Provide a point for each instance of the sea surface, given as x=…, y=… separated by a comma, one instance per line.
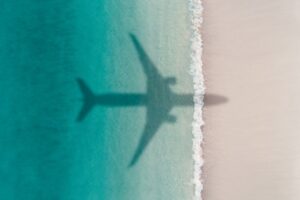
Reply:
x=45, y=152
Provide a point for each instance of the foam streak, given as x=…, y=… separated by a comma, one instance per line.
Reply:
x=196, y=9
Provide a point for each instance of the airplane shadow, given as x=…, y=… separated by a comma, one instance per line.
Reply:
x=159, y=100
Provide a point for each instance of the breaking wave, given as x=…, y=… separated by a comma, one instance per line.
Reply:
x=196, y=9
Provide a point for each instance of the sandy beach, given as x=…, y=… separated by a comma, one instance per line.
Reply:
x=251, y=142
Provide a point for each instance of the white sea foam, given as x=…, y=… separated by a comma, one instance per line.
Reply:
x=196, y=9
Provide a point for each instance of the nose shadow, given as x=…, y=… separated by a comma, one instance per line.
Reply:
x=214, y=99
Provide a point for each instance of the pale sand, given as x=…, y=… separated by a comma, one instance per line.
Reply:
x=252, y=57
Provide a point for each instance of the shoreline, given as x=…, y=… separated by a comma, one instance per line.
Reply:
x=196, y=9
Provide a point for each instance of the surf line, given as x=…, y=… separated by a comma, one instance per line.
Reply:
x=196, y=10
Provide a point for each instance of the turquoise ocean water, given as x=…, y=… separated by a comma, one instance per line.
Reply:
x=45, y=153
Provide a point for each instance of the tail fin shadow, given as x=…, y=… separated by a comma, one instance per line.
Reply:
x=88, y=99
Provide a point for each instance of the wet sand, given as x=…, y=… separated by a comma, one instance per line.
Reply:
x=251, y=142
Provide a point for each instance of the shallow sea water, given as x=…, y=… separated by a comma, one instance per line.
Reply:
x=45, y=153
